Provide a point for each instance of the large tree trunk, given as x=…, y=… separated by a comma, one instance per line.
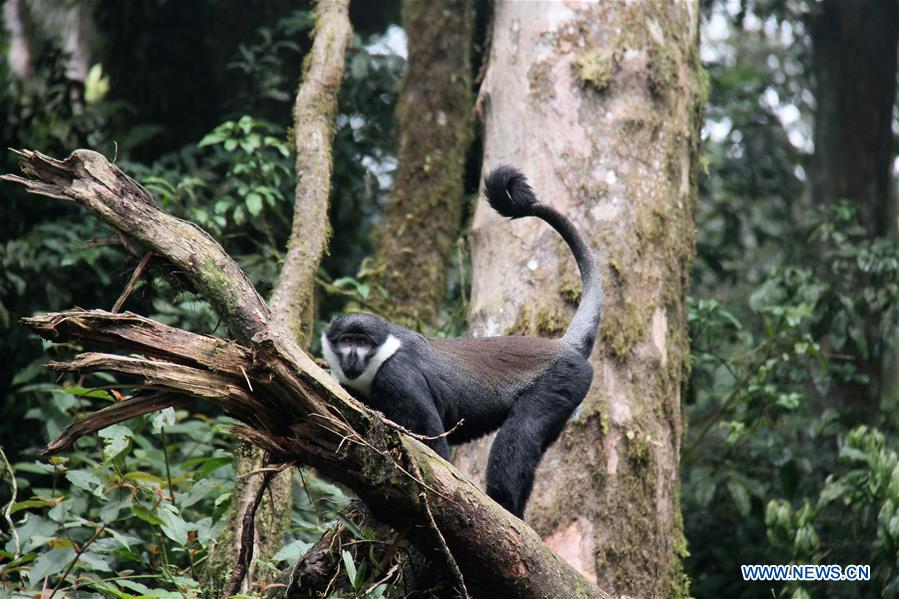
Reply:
x=854, y=45
x=600, y=105
x=434, y=114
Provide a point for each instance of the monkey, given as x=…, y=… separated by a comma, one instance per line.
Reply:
x=527, y=387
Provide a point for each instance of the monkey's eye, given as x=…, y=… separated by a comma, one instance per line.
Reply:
x=363, y=342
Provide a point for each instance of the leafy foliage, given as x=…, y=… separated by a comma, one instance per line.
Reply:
x=133, y=511
x=792, y=439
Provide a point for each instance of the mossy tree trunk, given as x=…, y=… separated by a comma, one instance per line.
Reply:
x=434, y=118
x=600, y=105
x=292, y=308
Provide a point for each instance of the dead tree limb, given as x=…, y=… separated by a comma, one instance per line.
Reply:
x=295, y=411
x=87, y=178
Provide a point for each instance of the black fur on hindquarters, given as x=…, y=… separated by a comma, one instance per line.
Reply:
x=534, y=423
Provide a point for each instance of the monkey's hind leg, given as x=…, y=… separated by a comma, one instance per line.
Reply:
x=535, y=421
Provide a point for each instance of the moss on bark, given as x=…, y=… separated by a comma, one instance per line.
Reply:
x=434, y=116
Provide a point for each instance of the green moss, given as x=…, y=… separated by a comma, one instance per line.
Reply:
x=615, y=266
x=571, y=291
x=682, y=589
x=639, y=450
x=596, y=66
x=549, y=323
x=543, y=322
x=624, y=326
x=662, y=69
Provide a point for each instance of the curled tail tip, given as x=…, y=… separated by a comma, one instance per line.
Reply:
x=509, y=193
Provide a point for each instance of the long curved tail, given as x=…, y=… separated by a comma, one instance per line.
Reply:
x=508, y=193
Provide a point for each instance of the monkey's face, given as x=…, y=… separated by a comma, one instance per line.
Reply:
x=354, y=351
x=355, y=346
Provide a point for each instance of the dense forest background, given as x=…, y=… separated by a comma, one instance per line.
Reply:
x=790, y=451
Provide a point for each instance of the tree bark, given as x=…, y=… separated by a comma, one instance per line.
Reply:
x=289, y=406
x=315, y=109
x=423, y=219
x=19, y=53
x=600, y=105
x=76, y=40
x=854, y=44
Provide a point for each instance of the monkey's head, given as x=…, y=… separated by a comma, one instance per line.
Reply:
x=355, y=346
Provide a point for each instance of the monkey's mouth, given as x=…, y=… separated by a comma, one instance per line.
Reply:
x=353, y=371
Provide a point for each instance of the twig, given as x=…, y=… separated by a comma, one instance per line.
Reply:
x=135, y=277
x=275, y=469
x=168, y=471
x=78, y=554
x=449, y=554
x=406, y=431
x=387, y=576
x=247, y=534
x=7, y=510
x=361, y=441
x=391, y=551
x=249, y=384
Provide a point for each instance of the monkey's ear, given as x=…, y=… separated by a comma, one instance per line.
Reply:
x=508, y=192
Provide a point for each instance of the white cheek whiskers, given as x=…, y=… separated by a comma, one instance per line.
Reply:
x=361, y=383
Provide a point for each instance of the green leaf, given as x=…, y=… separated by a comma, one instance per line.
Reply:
x=215, y=137
x=200, y=490
x=740, y=495
x=32, y=531
x=110, y=511
x=163, y=418
x=30, y=503
x=213, y=464
x=292, y=551
x=133, y=585
x=116, y=439
x=112, y=590
x=357, y=532
x=144, y=477
x=173, y=525
x=28, y=373
x=254, y=203
x=84, y=480
x=88, y=392
x=350, y=568
x=126, y=541
x=94, y=561
x=50, y=563
x=145, y=514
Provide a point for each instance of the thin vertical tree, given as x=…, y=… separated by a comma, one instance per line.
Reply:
x=261, y=495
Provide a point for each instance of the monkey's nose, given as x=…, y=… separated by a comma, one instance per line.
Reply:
x=353, y=366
